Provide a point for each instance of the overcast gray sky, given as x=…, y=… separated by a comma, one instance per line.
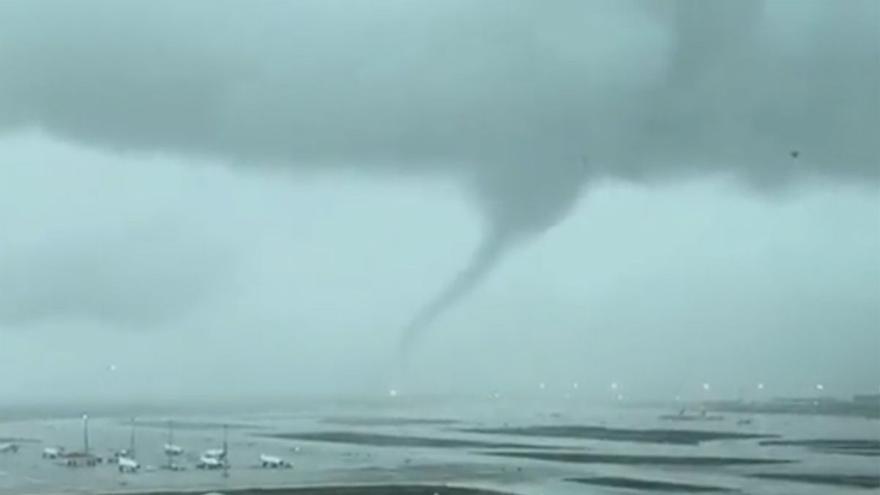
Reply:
x=279, y=187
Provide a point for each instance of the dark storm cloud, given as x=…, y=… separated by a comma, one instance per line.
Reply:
x=491, y=88
x=508, y=96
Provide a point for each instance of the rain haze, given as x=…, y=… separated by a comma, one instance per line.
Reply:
x=443, y=197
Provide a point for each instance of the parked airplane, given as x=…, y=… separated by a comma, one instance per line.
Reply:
x=125, y=458
x=216, y=458
x=209, y=462
x=172, y=449
x=215, y=453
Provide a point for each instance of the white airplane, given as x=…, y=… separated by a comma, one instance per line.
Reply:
x=216, y=458
x=215, y=453
x=53, y=452
x=127, y=453
x=8, y=448
x=209, y=462
x=127, y=464
x=272, y=462
x=172, y=449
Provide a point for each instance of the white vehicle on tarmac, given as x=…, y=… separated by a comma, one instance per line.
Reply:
x=127, y=465
x=272, y=462
x=53, y=452
x=173, y=450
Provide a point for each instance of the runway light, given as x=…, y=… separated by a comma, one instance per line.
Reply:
x=392, y=393
x=760, y=386
x=706, y=386
x=542, y=385
x=575, y=385
x=614, y=386
x=820, y=387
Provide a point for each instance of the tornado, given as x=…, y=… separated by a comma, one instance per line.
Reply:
x=522, y=201
x=485, y=258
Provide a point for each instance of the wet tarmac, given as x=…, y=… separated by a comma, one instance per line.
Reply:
x=519, y=448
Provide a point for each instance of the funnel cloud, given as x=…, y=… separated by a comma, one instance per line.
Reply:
x=482, y=262
x=523, y=205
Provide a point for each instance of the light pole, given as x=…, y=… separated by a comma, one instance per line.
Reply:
x=86, y=434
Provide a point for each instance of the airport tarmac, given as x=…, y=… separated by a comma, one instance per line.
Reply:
x=505, y=446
